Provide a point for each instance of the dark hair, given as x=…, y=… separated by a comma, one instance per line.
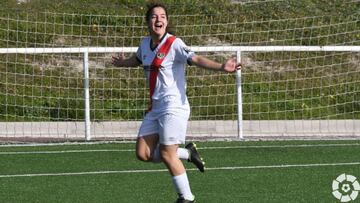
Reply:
x=151, y=6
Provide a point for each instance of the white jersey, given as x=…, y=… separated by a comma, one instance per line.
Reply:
x=170, y=88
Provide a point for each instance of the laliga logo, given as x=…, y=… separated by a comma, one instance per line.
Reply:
x=345, y=188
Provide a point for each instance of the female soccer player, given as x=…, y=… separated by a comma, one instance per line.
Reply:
x=164, y=58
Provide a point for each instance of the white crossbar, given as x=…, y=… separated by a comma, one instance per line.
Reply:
x=193, y=48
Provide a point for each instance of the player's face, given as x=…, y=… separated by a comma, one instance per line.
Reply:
x=158, y=22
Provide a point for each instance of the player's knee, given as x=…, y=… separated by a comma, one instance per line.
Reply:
x=166, y=156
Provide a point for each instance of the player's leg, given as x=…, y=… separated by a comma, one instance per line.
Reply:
x=148, y=138
x=172, y=131
x=188, y=153
x=148, y=149
x=177, y=171
x=145, y=147
x=171, y=159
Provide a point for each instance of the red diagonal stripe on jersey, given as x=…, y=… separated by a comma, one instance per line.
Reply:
x=156, y=63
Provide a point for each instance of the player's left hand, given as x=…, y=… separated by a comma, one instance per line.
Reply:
x=231, y=65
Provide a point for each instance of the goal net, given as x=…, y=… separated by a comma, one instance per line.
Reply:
x=297, y=93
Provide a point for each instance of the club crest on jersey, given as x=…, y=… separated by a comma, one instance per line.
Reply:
x=160, y=55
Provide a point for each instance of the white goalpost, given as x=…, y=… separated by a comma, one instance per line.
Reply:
x=300, y=79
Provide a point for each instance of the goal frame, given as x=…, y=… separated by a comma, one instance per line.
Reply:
x=237, y=50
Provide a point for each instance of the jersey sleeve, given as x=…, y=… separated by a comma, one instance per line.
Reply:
x=138, y=55
x=183, y=52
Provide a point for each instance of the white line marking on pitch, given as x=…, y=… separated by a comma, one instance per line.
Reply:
x=192, y=169
x=68, y=151
x=283, y=146
x=201, y=148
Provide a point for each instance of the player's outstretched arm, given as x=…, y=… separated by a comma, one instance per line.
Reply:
x=229, y=66
x=121, y=61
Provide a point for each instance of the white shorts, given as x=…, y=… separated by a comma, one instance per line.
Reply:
x=170, y=126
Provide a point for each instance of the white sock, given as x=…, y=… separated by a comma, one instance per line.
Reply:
x=182, y=186
x=181, y=152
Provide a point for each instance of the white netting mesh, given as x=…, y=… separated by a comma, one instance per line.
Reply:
x=283, y=92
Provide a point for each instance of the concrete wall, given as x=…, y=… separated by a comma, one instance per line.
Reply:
x=196, y=129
